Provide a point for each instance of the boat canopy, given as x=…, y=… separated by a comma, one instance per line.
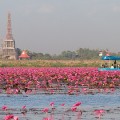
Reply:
x=110, y=58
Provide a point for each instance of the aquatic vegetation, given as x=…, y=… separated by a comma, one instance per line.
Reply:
x=48, y=114
x=10, y=117
x=50, y=63
x=68, y=80
x=57, y=80
x=99, y=113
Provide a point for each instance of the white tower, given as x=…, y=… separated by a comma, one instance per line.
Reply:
x=8, y=46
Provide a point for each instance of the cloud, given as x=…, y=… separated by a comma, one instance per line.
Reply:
x=46, y=8
x=116, y=8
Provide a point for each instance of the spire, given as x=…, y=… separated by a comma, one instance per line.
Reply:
x=9, y=29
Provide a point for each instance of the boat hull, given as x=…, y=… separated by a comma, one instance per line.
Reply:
x=108, y=69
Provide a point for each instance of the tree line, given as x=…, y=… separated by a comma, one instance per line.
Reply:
x=80, y=54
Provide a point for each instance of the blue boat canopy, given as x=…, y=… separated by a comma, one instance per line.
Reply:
x=110, y=58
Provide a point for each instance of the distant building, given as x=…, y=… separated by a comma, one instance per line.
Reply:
x=8, y=50
x=24, y=55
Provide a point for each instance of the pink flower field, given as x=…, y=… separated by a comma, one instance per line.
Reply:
x=50, y=93
x=72, y=80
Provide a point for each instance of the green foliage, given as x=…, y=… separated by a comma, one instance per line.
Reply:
x=80, y=54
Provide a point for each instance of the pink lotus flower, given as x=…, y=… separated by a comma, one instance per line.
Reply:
x=45, y=110
x=24, y=107
x=47, y=78
x=9, y=117
x=4, y=108
x=99, y=113
x=74, y=108
x=63, y=104
x=77, y=104
x=16, y=118
x=52, y=104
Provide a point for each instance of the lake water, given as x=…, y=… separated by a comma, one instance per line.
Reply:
x=34, y=103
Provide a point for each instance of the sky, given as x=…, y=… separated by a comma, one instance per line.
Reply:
x=54, y=26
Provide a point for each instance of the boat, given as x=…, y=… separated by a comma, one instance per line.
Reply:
x=113, y=67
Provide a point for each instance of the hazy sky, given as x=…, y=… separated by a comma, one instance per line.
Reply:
x=52, y=26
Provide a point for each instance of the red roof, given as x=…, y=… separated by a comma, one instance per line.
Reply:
x=24, y=55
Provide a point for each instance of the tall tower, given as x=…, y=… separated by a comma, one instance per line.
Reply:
x=8, y=47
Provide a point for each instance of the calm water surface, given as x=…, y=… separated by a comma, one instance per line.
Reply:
x=35, y=103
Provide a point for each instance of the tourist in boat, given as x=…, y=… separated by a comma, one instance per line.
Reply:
x=106, y=65
x=103, y=66
x=118, y=66
x=112, y=66
x=115, y=64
